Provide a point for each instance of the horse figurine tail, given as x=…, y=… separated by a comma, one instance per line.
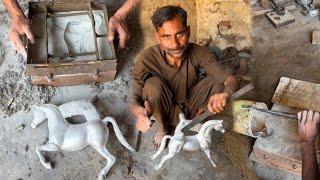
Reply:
x=162, y=146
x=118, y=133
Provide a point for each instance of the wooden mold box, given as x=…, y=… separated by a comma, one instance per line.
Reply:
x=71, y=45
x=298, y=94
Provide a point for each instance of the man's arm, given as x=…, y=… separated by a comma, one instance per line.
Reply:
x=308, y=126
x=218, y=101
x=221, y=74
x=19, y=25
x=13, y=8
x=117, y=22
x=139, y=111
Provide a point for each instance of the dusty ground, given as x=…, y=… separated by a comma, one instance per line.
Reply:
x=18, y=141
x=289, y=49
x=286, y=51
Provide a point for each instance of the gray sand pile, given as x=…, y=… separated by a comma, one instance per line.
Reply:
x=17, y=93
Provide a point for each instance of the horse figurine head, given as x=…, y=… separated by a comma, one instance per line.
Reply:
x=43, y=112
x=217, y=125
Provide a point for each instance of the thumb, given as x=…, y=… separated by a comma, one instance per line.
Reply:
x=29, y=34
x=148, y=107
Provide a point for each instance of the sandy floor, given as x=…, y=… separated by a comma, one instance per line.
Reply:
x=18, y=140
x=285, y=51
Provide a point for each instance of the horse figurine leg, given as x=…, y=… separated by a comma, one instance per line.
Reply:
x=174, y=147
x=110, y=161
x=207, y=152
x=99, y=144
x=46, y=147
x=162, y=146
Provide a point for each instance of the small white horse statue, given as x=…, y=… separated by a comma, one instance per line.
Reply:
x=74, y=137
x=200, y=141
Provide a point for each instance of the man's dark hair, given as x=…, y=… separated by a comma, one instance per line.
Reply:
x=167, y=13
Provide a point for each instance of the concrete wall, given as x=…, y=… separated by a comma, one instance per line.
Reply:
x=234, y=17
x=204, y=17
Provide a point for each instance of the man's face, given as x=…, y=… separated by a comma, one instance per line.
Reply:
x=173, y=37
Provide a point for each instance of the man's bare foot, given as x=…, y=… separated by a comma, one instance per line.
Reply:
x=158, y=137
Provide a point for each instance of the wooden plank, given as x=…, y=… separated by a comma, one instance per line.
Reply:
x=282, y=148
x=72, y=74
x=73, y=68
x=274, y=160
x=74, y=79
x=298, y=94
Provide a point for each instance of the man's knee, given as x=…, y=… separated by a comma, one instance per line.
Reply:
x=154, y=88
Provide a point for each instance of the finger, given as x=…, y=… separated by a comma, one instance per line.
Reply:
x=141, y=127
x=299, y=117
x=18, y=45
x=224, y=102
x=304, y=117
x=220, y=107
x=148, y=107
x=209, y=106
x=309, y=116
x=111, y=32
x=316, y=117
x=122, y=36
x=215, y=107
x=29, y=34
x=146, y=121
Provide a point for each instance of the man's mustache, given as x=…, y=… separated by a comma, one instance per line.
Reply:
x=177, y=49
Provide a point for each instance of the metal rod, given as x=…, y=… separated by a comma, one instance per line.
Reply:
x=73, y=54
x=66, y=14
x=46, y=32
x=93, y=23
x=276, y=113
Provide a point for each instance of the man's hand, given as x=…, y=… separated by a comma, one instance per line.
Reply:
x=118, y=26
x=143, y=123
x=308, y=125
x=217, y=102
x=20, y=26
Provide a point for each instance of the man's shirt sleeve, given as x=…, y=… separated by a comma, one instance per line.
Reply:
x=138, y=72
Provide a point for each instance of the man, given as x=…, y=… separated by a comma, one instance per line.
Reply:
x=308, y=126
x=175, y=76
x=20, y=25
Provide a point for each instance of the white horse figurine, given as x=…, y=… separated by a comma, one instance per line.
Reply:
x=74, y=137
x=200, y=141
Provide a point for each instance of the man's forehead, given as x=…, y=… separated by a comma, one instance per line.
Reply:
x=172, y=26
